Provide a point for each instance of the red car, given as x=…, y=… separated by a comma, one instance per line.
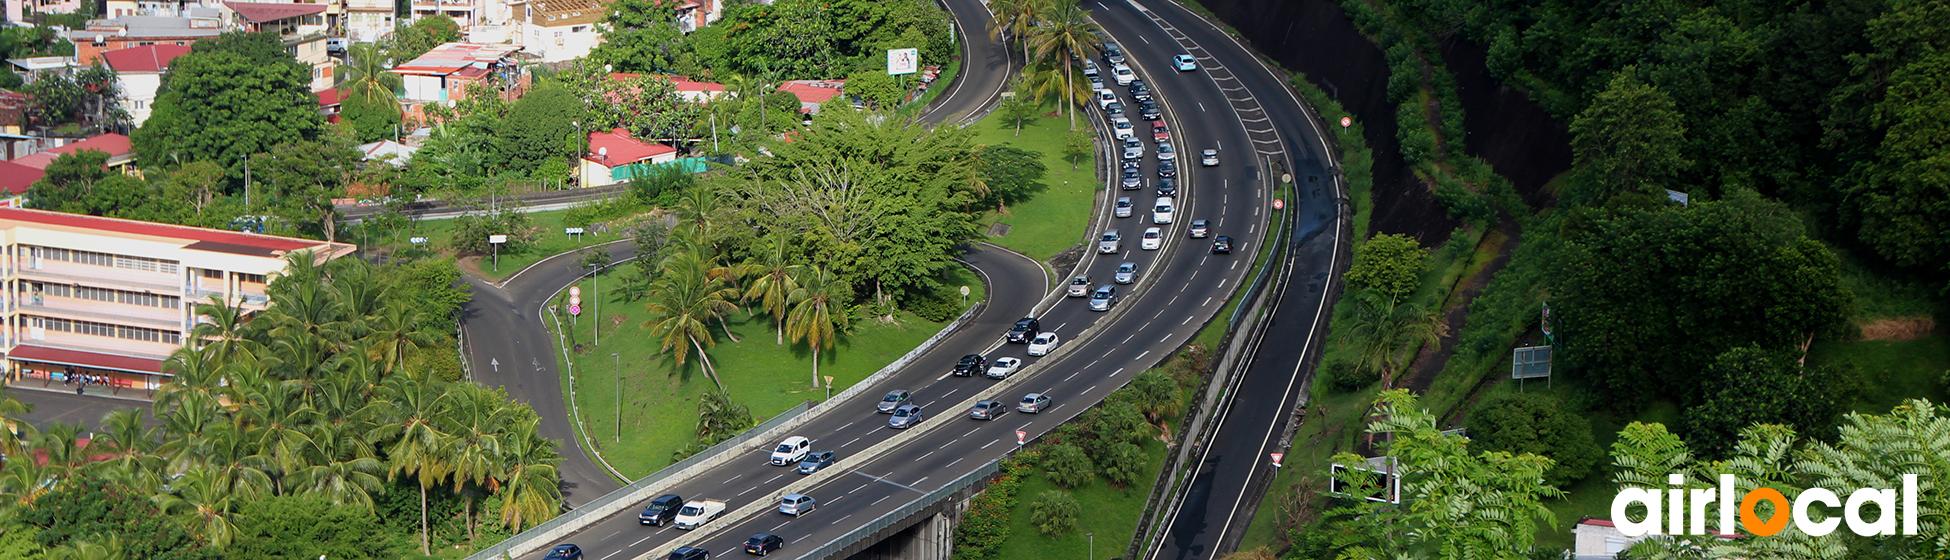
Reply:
x=1159, y=133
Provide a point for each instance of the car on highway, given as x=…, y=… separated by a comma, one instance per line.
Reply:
x=1123, y=75
x=697, y=513
x=1133, y=165
x=564, y=552
x=1033, y=403
x=661, y=510
x=689, y=553
x=1161, y=214
x=969, y=364
x=797, y=504
x=1027, y=328
x=1043, y=344
x=1154, y=238
x=894, y=399
x=1115, y=111
x=791, y=451
x=1104, y=298
x=1089, y=67
x=1003, y=367
x=1123, y=207
x=1079, y=287
x=1110, y=242
x=1126, y=273
x=1105, y=98
x=1159, y=133
x=1133, y=179
x=1166, y=169
x=815, y=461
x=1167, y=187
x=905, y=417
x=1122, y=126
x=1113, y=53
x=1133, y=148
x=1140, y=91
x=1096, y=82
x=1222, y=245
x=1166, y=152
x=763, y=544
x=988, y=410
x=1208, y=158
x=1185, y=63
x=1149, y=110
x=1200, y=229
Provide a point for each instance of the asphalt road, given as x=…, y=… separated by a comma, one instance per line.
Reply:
x=985, y=67
x=1181, y=287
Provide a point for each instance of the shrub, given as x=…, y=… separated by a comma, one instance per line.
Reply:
x=1343, y=377
x=1067, y=466
x=1055, y=512
x=1119, y=421
x=1531, y=423
x=985, y=526
x=1122, y=463
x=1391, y=264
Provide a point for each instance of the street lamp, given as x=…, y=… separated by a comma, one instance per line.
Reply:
x=597, y=292
x=1093, y=545
x=580, y=139
x=619, y=395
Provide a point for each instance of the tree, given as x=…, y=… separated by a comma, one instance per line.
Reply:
x=640, y=36
x=1014, y=18
x=308, y=527
x=1013, y=175
x=1077, y=144
x=1384, y=329
x=1645, y=299
x=818, y=311
x=1391, y=264
x=419, y=35
x=14, y=433
x=1066, y=465
x=218, y=105
x=1155, y=394
x=874, y=86
x=1017, y=109
x=538, y=128
x=1902, y=206
x=91, y=508
x=684, y=297
x=1629, y=139
x=209, y=498
x=409, y=415
x=1122, y=463
x=774, y=281
x=1055, y=512
x=531, y=486
x=1748, y=385
x=1065, y=34
x=303, y=178
x=1537, y=425
x=370, y=104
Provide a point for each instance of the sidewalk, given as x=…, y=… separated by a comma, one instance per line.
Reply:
x=58, y=403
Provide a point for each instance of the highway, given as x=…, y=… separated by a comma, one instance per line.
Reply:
x=1181, y=287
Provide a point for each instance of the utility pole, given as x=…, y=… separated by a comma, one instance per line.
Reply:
x=596, y=277
x=619, y=395
x=247, y=182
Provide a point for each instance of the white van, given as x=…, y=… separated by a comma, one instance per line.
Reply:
x=1161, y=214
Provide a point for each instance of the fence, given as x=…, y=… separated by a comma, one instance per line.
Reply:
x=834, y=547
x=624, y=497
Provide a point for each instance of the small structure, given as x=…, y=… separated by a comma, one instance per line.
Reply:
x=614, y=156
x=1598, y=539
x=367, y=21
x=1530, y=362
x=691, y=90
x=15, y=179
x=387, y=151
x=31, y=68
x=811, y=93
x=103, y=35
x=140, y=70
x=120, y=153
x=442, y=74
x=559, y=30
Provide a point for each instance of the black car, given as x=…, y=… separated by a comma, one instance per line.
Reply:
x=970, y=364
x=1150, y=111
x=1025, y=329
x=1167, y=170
x=661, y=510
x=763, y=544
x=1222, y=245
x=1167, y=187
x=690, y=553
x=1133, y=178
x=1140, y=91
x=564, y=552
x=815, y=461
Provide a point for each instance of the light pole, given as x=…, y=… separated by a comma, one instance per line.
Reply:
x=580, y=138
x=247, y=181
x=1093, y=545
x=619, y=395
x=596, y=278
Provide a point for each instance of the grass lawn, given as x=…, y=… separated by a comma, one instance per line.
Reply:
x=1894, y=370
x=1056, y=218
x=1111, y=513
x=440, y=233
x=658, y=398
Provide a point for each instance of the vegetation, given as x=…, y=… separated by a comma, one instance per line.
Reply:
x=231, y=97
x=1055, y=512
x=1391, y=265
x=1536, y=425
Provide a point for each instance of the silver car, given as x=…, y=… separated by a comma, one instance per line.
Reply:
x=1126, y=273
x=1080, y=286
x=1111, y=242
x=1104, y=298
x=1123, y=207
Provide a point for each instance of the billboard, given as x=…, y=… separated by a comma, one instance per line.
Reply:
x=903, y=61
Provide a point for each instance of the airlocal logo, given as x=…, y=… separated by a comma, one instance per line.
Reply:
x=1676, y=501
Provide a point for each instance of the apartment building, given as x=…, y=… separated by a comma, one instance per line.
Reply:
x=110, y=299
x=368, y=21
x=302, y=27
x=559, y=30
x=103, y=35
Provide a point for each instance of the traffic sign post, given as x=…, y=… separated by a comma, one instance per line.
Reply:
x=1346, y=122
x=964, y=296
x=496, y=241
x=1276, y=459
x=1279, y=204
x=829, y=387
x=1020, y=437
x=575, y=231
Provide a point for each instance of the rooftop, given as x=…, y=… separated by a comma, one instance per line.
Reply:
x=112, y=143
x=257, y=12
x=15, y=178
x=683, y=83
x=813, y=91
x=452, y=57
x=194, y=238
x=616, y=147
x=152, y=58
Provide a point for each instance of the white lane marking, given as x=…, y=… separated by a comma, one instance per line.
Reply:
x=1188, y=318
x=1086, y=391
x=1141, y=356
x=1126, y=340
x=1092, y=363
x=842, y=518
x=991, y=442
x=774, y=478
x=1235, y=265
x=1059, y=327
x=1201, y=107
x=971, y=432
x=1208, y=301
x=943, y=376
x=950, y=442
x=862, y=487
x=1114, y=373
x=1072, y=374
x=734, y=478
x=849, y=443
x=957, y=460
x=1146, y=41
x=849, y=424
x=748, y=491
x=1188, y=279
x=924, y=455
x=877, y=502
x=640, y=541
x=1174, y=299
x=1249, y=229
x=918, y=482
x=613, y=553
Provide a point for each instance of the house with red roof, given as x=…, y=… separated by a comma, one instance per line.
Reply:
x=120, y=153
x=14, y=179
x=691, y=90
x=615, y=156
x=108, y=299
x=302, y=27
x=811, y=93
x=140, y=70
x=442, y=74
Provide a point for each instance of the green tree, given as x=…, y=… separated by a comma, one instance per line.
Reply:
x=209, y=499
x=1537, y=425
x=774, y=280
x=640, y=36
x=1155, y=394
x=683, y=299
x=1391, y=264
x=538, y=128
x=1629, y=139
x=1122, y=463
x=306, y=527
x=1055, y=512
x=90, y=508
x=1077, y=144
x=415, y=37
x=1066, y=465
x=1015, y=19
x=303, y=177
x=1017, y=109
x=874, y=86
x=409, y=416
x=1013, y=175
x=1902, y=206
x=14, y=432
x=1746, y=386
x=1384, y=329
x=1065, y=34
x=531, y=484
x=218, y=105
x=370, y=104
x=818, y=313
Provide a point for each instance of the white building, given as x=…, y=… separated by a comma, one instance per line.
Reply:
x=140, y=71
x=559, y=30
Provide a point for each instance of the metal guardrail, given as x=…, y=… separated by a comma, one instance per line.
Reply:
x=606, y=505
x=1273, y=259
x=832, y=548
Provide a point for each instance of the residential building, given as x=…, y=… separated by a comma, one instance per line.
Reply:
x=121, y=155
x=811, y=93
x=155, y=8
x=367, y=21
x=15, y=179
x=692, y=14
x=110, y=299
x=442, y=74
x=31, y=69
x=23, y=10
x=559, y=30
x=140, y=70
x=388, y=151
x=465, y=12
x=103, y=35
x=613, y=156
x=691, y=90
x=302, y=26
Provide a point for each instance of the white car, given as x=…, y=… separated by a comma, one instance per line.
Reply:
x=1110, y=242
x=1153, y=239
x=1123, y=75
x=1123, y=207
x=1089, y=67
x=791, y=451
x=1003, y=367
x=1161, y=214
x=1208, y=158
x=1166, y=152
x=1080, y=286
x=1123, y=128
x=1133, y=148
x=1105, y=98
x=1043, y=344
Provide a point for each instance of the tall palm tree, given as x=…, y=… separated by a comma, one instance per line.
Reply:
x=134, y=443
x=700, y=208
x=14, y=432
x=397, y=330
x=366, y=74
x=1067, y=35
x=342, y=467
x=194, y=373
x=63, y=446
x=22, y=482
x=529, y=492
x=209, y=499
x=685, y=297
x=1015, y=18
x=276, y=425
x=817, y=311
x=474, y=450
x=773, y=282
x=224, y=328
x=1383, y=328
x=408, y=416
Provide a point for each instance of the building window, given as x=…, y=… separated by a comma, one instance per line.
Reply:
x=107, y=330
x=210, y=273
x=250, y=278
x=579, y=29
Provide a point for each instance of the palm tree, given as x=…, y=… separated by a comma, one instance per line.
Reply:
x=196, y=373
x=366, y=73
x=1383, y=328
x=1067, y=34
x=474, y=450
x=397, y=329
x=134, y=442
x=209, y=498
x=22, y=482
x=342, y=468
x=1015, y=17
x=1046, y=82
x=14, y=433
x=276, y=429
x=700, y=208
x=774, y=281
x=408, y=416
x=223, y=328
x=817, y=315
x=529, y=489
x=96, y=547
x=63, y=446
x=685, y=297
x=719, y=418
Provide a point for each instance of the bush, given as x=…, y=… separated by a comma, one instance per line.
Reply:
x=1343, y=377
x=1067, y=466
x=1122, y=463
x=1531, y=423
x=1119, y=421
x=1055, y=512
x=471, y=233
x=985, y=526
x=1391, y=264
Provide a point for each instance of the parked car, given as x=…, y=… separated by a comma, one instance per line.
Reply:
x=894, y=399
x=1123, y=207
x=969, y=364
x=1079, y=287
x=336, y=46
x=1110, y=242
x=763, y=544
x=1133, y=178
x=905, y=417
x=1222, y=245
x=988, y=410
x=815, y=461
x=797, y=504
x=1161, y=214
x=1003, y=367
x=1154, y=239
x=1185, y=63
x=661, y=510
x=1033, y=403
x=1104, y=298
x=1026, y=328
x=1043, y=344
x=1126, y=273
x=1208, y=158
x=564, y=552
x=690, y=553
x=1159, y=133
x=791, y=451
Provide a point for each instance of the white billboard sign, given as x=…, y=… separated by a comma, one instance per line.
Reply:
x=903, y=61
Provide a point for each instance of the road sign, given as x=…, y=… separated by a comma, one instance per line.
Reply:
x=575, y=300
x=903, y=61
x=1346, y=122
x=1276, y=458
x=416, y=240
x=575, y=309
x=1279, y=204
x=829, y=380
x=497, y=239
x=1020, y=436
x=572, y=231
x=964, y=291
x=575, y=290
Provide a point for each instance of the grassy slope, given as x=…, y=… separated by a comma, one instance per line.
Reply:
x=1055, y=219
x=1110, y=513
